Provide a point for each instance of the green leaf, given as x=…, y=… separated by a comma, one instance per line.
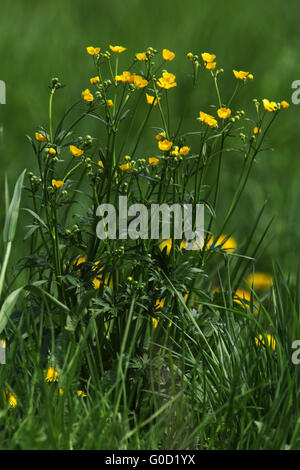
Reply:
x=13, y=211
x=7, y=307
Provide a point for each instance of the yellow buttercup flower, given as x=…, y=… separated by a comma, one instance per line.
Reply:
x=256, y=130
x=153, y=161
x=210, y=65
x=242, y=295
x=93, y=50
x=185, y=150
x=141, y=56
x=164, y=145
x=81, y=393
x=75, y=151
x=159, y=304
x=139, y=81
x=250, y=76
x=79, y=260
x=240, y=75
x=166, y=244
x=117, y=49
x=270, y=339
x=260, y=280
x=98, y=280
x=167, y=55
x=284, y=104
x=125, y=166
x=197, y=245
x=57, y=183
x=41, y=137
x=94, y=80
x=155, y=322
x=110, y=103
x=208, y=119
x=52, y=375
x=11, y=398
x=160, y=136
x=270, y=106
x=175, y=152
x=190, y=55
x=167, y=81
x=208, y=57
x=87, y=95
x=224, y=113
x=52, y=151
x=125, y=77
x=151, y=99
x=100, y=163
x=229, y=245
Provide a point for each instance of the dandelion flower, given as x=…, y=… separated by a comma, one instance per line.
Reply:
x=100, y=163
x=93, y=50
x=256, y=130
x=229, y=245
x=117, y=49
x=270, y=339
x=260, y=280
x=110, y=103
x=159, y=304
x=224, y=113
x=166, y=244
x=168, y=55
x=165, y=145
x=11, y=398
x=75, y=151
x=52, y=375
x=242, y=295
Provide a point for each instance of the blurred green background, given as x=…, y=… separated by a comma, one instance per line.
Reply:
x=41, y=40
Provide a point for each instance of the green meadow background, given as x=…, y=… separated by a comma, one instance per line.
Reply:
x=42, y=39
